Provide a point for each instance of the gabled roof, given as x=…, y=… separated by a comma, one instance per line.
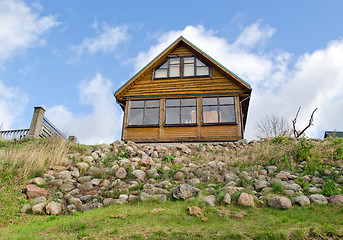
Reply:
x=168, y=50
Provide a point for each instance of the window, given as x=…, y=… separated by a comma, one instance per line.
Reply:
x=145, y=112
x=218, y=110
x=180, y=111
x=169, y=69
x=192, y=67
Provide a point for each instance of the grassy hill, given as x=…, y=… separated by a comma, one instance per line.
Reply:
x=21, y=161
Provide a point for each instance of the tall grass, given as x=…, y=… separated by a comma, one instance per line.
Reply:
x=31, y=158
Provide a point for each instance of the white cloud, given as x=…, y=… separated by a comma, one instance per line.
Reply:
x=106, y=41
x=315, y=80
x=12, y=105
x=102, y=124
x=21, y=28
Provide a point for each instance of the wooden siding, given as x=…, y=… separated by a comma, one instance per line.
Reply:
x=217, y=83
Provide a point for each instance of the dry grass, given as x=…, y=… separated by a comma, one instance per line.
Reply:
x=32, y=158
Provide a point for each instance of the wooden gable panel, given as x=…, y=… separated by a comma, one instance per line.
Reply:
x=217, y=83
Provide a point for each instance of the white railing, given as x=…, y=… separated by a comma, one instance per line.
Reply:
x=14, y=134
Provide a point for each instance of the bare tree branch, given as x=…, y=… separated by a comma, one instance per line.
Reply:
x=273, y=126
x=296, y=133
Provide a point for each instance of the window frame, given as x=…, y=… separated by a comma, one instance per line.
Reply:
x=180, y=124
x=218, y=111
x=144, y=113
x=182, y=67
x=167, y=60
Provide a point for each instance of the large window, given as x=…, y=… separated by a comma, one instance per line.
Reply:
x=191, y=67
x=180, y=111
x=217, y=110
x=144, y=113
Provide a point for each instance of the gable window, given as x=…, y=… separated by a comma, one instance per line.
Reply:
x=144, y=113
x=191, y=67
x=169, y=69
x=218, y=110
x=181, y=111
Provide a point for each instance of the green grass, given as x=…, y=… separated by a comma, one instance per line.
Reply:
x=175, y=223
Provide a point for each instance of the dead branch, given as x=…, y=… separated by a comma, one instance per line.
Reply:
x=296, y=133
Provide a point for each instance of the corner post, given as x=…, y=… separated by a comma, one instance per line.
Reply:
x=36, y=123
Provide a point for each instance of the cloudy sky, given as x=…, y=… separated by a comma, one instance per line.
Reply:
x=71, y=56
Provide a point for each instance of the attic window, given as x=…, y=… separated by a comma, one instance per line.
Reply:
x=191, y=67
x=194, y=67
x=169, y=69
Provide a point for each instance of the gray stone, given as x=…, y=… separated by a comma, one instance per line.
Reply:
x=64, y=175
x=87, y=159
x=84, y=179
x=75, y=174
x=121, y=173
x=138, y=173
x=94, y=171
x=318, y=198
x=108, y=201
x=37, y=200
x=38, y=208
x=72, y=208
x=279, y=202
x=165, y=184
x=227, y=198
x=53, y=208
x=302, y=201
x=95, y=181
x=86, y=187
x=210, y=200
x=38, y=181
x=26, y=208
x=184, y=191
x=295, y=187
x=82, y=166
x=194, y=182
x=86, y=198
x=67, y=187
x=271, y=169
x=75, y=201
x=282, y=176
x=48, y=177
x=147, y=197
x=246, y=200
x=178, y=176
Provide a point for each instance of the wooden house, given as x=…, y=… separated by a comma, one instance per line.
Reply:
x=183, y=95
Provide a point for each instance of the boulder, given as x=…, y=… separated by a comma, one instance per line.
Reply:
x=302, y=201
x=138, y=174
x=108, y=201
x=318, y=198
x=246, y=200
x=82, y=166
x=38, y=181
x=336, y=199
x=121, y=173
x=184, y=191
x=64, y=175
x=37, y=200
x=227, y=198
x=279, y=202
x=38, y=208
x=32, y=191
x=53, y=208
x=210, y=200
x=196, y=211
x=86, y=187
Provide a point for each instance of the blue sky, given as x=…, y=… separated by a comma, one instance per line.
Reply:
x=70, y=56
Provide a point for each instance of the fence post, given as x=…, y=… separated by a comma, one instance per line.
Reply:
x=36, y=123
